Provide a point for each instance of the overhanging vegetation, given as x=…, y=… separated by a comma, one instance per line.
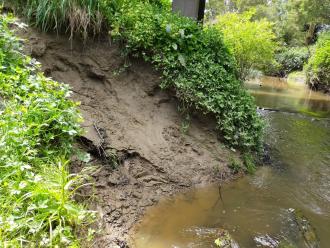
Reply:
x=318, y=67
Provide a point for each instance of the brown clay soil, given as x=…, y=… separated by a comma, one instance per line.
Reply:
x=125, y=112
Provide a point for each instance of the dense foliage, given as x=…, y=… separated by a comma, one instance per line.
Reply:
x=294, y=20
x=38, y=125
x=289, y=60
x=297, y=25
x=251, y=42
x=318, y=68
x=193, y=61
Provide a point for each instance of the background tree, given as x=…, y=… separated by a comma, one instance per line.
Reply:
x=251, y=42
x=307, y=14
x=295, y=21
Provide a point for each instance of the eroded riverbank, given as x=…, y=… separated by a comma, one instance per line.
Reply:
x=129, y=115
x=126, y=113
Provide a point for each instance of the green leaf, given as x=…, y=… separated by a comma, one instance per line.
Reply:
x=182, y=60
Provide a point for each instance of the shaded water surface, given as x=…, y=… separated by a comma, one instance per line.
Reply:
x=260, y=204
x=289, y=95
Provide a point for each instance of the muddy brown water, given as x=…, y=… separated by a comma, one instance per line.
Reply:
x=261, y=204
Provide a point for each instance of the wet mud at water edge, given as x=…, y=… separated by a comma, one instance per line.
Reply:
x=126, y=113
x=284, y=203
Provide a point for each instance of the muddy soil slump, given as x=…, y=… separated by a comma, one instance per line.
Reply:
x=139, y=122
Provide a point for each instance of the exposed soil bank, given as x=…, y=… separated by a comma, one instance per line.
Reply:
x=138, y=122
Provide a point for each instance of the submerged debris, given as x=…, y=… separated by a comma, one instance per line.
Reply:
x=225, y=240
x=307, y=230
x=266, y=241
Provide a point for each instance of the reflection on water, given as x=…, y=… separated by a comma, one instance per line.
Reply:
x=259, y=204
x=289, y=95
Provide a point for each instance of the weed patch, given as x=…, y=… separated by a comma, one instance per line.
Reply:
x=81, y=17
x=38, y=125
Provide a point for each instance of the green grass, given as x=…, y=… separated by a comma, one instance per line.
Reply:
x=82, y=17
x=38, y=125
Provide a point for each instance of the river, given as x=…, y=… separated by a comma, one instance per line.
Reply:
x=263, y=204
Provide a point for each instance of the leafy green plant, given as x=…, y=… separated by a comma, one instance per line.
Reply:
x=318, y=67
x=252, y=42
x=185, y=124
x=289, y=60
x=249, y=163
x=234, y=165
x=38, y=125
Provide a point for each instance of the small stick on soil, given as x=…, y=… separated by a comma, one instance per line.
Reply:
x=102, y=152
x=99, y=134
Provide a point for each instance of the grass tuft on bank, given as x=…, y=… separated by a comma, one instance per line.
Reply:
x=193, y=60
x=38, y=125
x=78, y=17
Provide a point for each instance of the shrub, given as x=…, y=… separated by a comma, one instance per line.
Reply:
x=318, y=67
x=251, y=42
x=290, y=59
x=38, y=125
x=234, y=165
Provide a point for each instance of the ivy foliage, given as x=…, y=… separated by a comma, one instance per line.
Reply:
x=192, y=60
x=38, y=125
